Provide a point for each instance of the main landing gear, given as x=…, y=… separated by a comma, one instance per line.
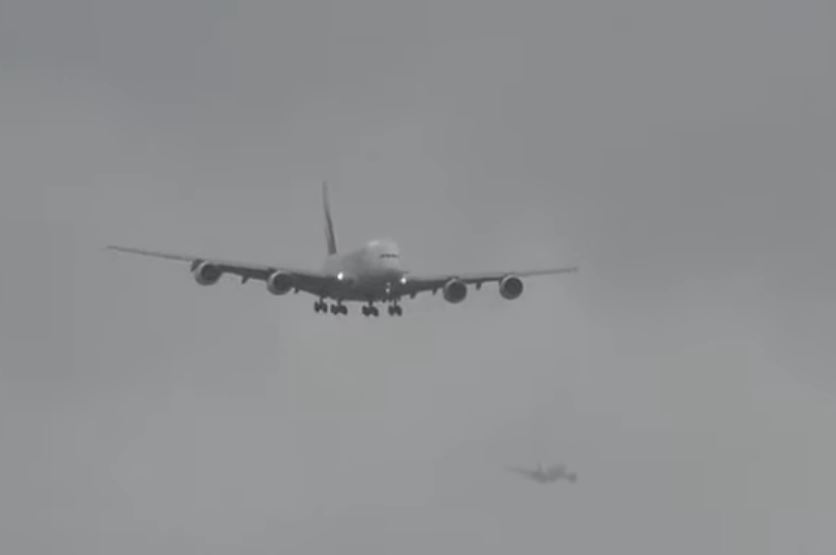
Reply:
x=337, y=308
x=395, y=310
x=370, y=310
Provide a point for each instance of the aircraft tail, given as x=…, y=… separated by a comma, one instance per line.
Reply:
x=331, y=240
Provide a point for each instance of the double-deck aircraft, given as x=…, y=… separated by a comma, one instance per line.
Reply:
x=370, y=274
x=546, y=475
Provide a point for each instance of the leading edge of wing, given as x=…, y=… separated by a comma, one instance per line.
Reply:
x=481, y=277
x=474, y=277
x=544, y=272
x=191, y=258
x=155, y=254
x=253, y=270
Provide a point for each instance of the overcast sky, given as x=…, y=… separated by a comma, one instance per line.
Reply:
x=682, y=153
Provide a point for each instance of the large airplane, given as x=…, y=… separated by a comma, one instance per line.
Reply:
x=370, y=274
x=546, y=475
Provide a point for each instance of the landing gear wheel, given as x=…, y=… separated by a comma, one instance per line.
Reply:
x=395, y=310
x=370, y=310
x=320, y=306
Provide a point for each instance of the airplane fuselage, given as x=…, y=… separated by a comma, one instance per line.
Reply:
x=547, y=475
x=369, y=273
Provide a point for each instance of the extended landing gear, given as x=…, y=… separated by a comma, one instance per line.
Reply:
x=337, y=308
x=395, y=310
x=367, y=310
x=370, y=310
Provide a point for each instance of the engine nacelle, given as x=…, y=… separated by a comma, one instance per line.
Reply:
x=205, y=273
x=279, y=283
x=455, y=291
x=510, y=287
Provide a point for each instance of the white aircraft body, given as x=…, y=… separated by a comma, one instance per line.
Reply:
x=370, y=274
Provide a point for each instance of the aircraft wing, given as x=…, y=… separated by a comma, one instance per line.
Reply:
x=417, y=283
x=310, y=282
x=522, y=471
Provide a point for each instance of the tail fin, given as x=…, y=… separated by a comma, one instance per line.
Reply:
x=329, y=224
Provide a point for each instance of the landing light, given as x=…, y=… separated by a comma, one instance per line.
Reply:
x=340, y=276
x=403, y=280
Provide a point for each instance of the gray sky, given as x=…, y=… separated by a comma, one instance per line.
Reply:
x=680, y=152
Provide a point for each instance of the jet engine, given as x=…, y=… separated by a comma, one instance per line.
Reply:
x=455, y=291
x=205, y=273
x=510, y=287
x=279, y=283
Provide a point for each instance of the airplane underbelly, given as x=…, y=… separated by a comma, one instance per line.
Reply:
x=364, y=289
x=370, y=288
x=369, y=280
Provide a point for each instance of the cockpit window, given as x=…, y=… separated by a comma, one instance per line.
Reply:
x=388, y=255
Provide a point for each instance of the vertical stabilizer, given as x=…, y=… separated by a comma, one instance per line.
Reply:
x=329, y=224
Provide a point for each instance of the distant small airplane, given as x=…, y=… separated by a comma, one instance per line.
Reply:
x=546, y=475
x=372, y=273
